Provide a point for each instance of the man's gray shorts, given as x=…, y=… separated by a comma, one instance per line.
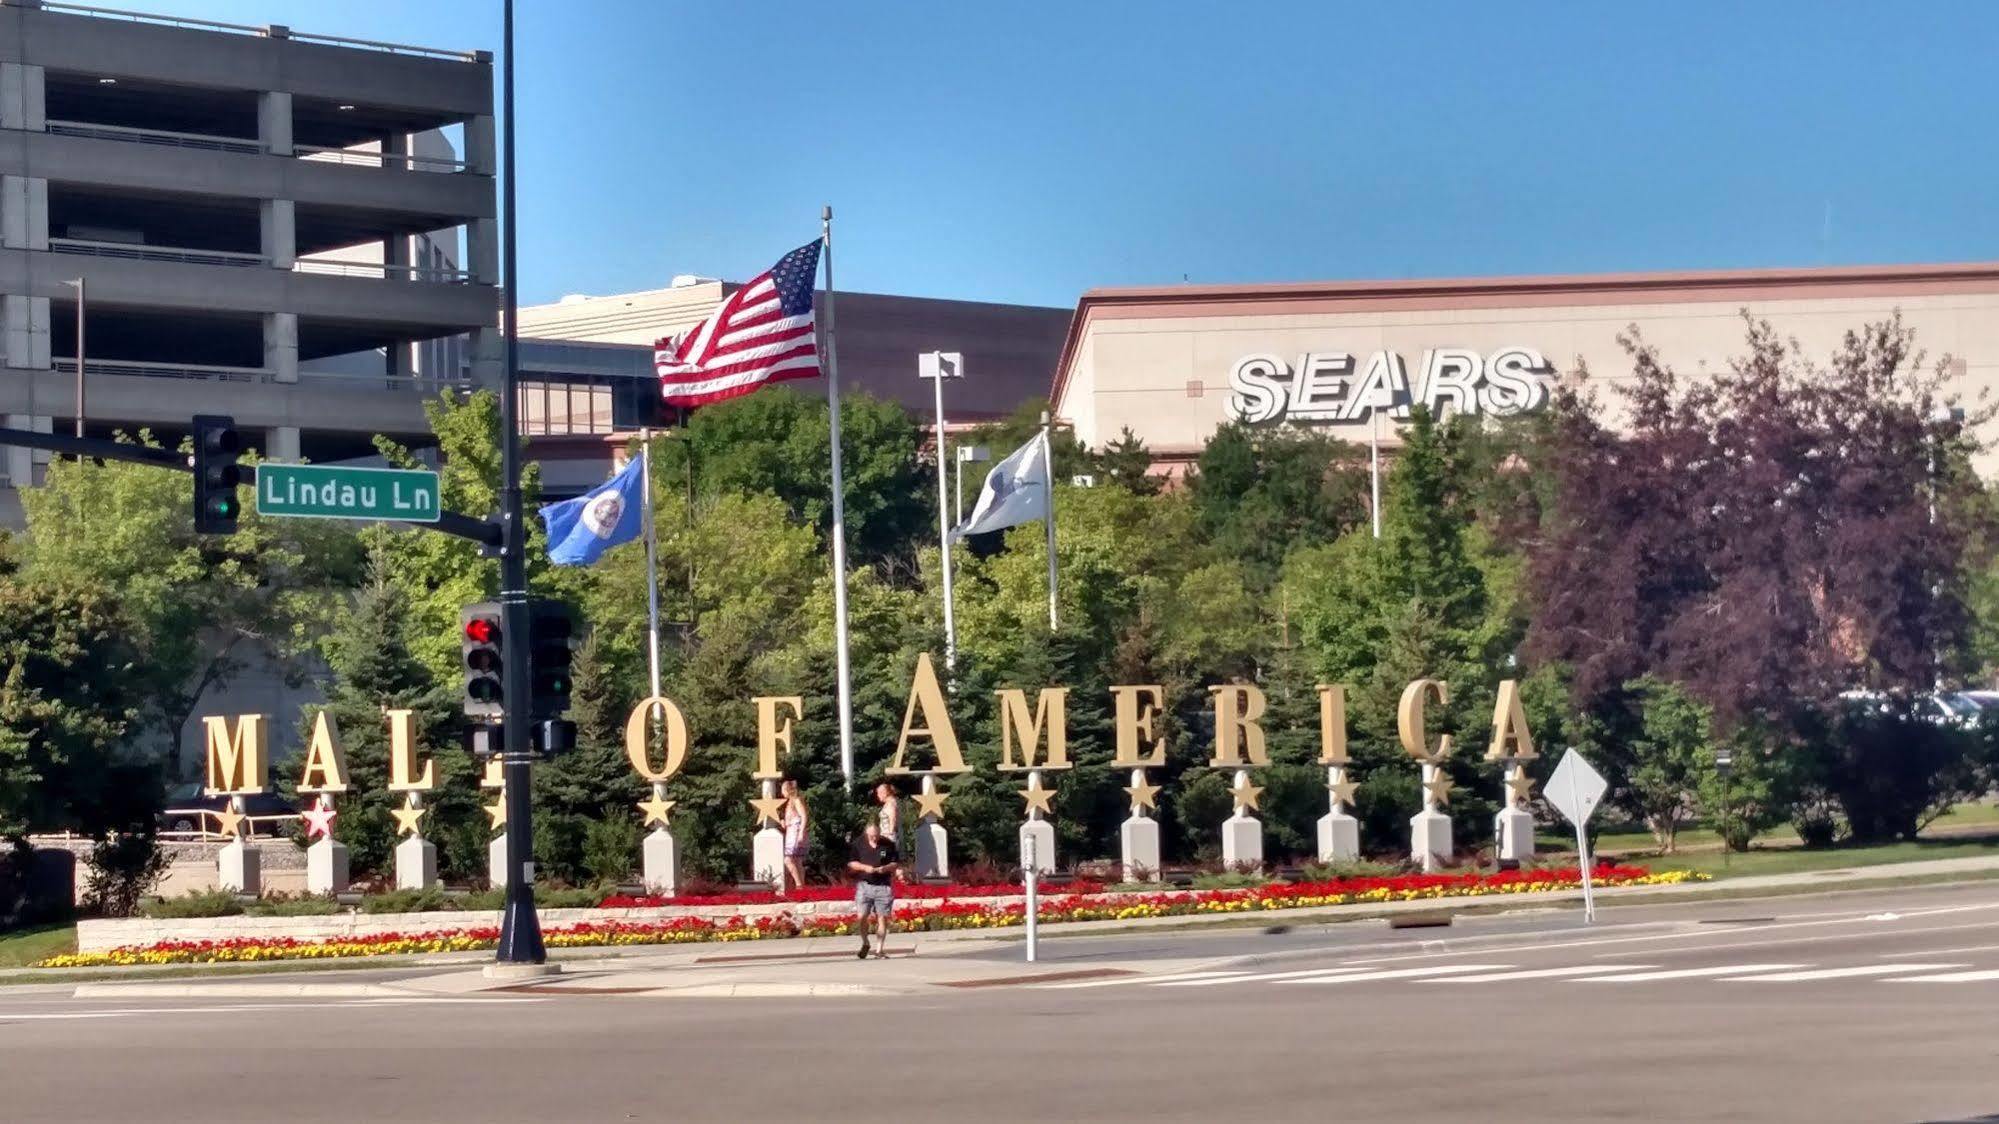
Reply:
x=870, y=898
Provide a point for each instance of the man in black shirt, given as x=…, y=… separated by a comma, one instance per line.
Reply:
x=873, y=863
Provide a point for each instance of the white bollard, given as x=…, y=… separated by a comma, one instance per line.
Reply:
x=1033, y=899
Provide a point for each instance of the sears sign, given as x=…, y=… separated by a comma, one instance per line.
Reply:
x=1335, y=387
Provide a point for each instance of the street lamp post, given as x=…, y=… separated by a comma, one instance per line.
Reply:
x=78, y=283
x=938, y=366
x=967, y=454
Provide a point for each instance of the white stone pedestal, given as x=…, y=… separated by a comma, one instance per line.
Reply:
x=416, y=864
x=662, y=862
x=1430, y=840
x=496, y=862
x=767, y=856
x=1139, y=836
x=1514, y=830
x=1339, y=837
x=1242, y=841
x=240, y=867
x=933, y=849
x=326, y=867
x=1043, y=834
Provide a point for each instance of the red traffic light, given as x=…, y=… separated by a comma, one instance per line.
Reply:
x=479, y=630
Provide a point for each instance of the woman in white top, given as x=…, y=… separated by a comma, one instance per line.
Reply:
x=888, y=817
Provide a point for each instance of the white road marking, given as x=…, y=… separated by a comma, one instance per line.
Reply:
x=1950, y=977
x=1689, y=973
x=1398, y=973
x=1129, y=980
x=1843, y=973
x=1532, y=974
x=1593, y=942
x=1264, y=977
x=1940, y=951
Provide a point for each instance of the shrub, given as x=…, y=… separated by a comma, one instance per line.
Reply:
x=123, y=870
x=198, y=903
x=301, y=905
x=1229, y=880
x=610, y=849
x=409, y=901
x=1359, y=868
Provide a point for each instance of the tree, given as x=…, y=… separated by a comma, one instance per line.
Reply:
x=1126, y=463
x=198, y=606
x=1763, y=537
x=371, y=654
x=1265, y=492
x=1664, y=758
x=778, y=442
x=68, y=696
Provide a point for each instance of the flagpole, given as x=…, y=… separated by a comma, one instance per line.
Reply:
x=652, y=562
x=944, y=530
x=1048, y=482
x=846, y=686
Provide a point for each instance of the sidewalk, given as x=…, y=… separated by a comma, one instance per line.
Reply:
x=827, y=967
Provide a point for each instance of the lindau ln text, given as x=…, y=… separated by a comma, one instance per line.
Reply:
x=290, y=492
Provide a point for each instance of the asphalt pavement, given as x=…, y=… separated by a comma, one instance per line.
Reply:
x=1862, y=1006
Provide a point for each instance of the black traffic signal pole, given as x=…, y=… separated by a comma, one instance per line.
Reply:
x=520, y=928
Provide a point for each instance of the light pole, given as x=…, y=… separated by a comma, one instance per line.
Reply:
x=967, y=454
x=938, y=366
x=1939, y=417
x=78, y=283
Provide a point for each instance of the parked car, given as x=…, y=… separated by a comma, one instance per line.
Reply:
x=1983, y=700
x=189, y=811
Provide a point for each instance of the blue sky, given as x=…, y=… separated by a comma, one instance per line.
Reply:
x=1029, y=150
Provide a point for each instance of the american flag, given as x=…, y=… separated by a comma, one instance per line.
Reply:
x=762, y=333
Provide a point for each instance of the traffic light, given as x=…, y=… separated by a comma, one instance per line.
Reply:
x=216, y=474
x=550, y=629
x=479, y=644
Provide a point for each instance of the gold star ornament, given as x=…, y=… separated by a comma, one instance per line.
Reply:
x=931, y=803
x=1521, y=784
x=1343, y=792
x=1037, y=798
x=770, y=810
x=1144, y=794
x=497, y=812
x=1439, y=786
x=228, y=820
x=409, y=817
x=655, y=810
x=1246, y=797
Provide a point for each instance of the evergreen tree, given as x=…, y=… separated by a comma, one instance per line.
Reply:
x=375, y=670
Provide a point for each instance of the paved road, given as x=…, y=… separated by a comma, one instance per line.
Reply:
x=1863, y=1007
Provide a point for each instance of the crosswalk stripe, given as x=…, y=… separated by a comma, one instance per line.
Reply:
x=1399, y=973
x=1687, y=973
x=1844, y=973
x=1951, y=977
x=1130, y=980
x=1262, y=977
x=1530, y=974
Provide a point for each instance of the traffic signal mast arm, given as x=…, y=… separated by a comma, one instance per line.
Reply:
x=485, y=532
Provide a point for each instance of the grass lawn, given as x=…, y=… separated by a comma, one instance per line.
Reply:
x=25, y=946
x=1787, y=860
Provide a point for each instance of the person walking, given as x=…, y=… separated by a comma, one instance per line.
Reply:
x=874, y=861
x=795, y=818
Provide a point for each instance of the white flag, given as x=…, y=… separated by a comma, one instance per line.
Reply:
x=1016, y=491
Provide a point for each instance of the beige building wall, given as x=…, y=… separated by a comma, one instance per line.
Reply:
x=638, y=318
x=1163, y=368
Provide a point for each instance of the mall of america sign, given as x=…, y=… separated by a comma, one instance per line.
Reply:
x=1322, y=387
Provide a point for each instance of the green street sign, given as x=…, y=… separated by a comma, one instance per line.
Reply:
x=318, y=491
